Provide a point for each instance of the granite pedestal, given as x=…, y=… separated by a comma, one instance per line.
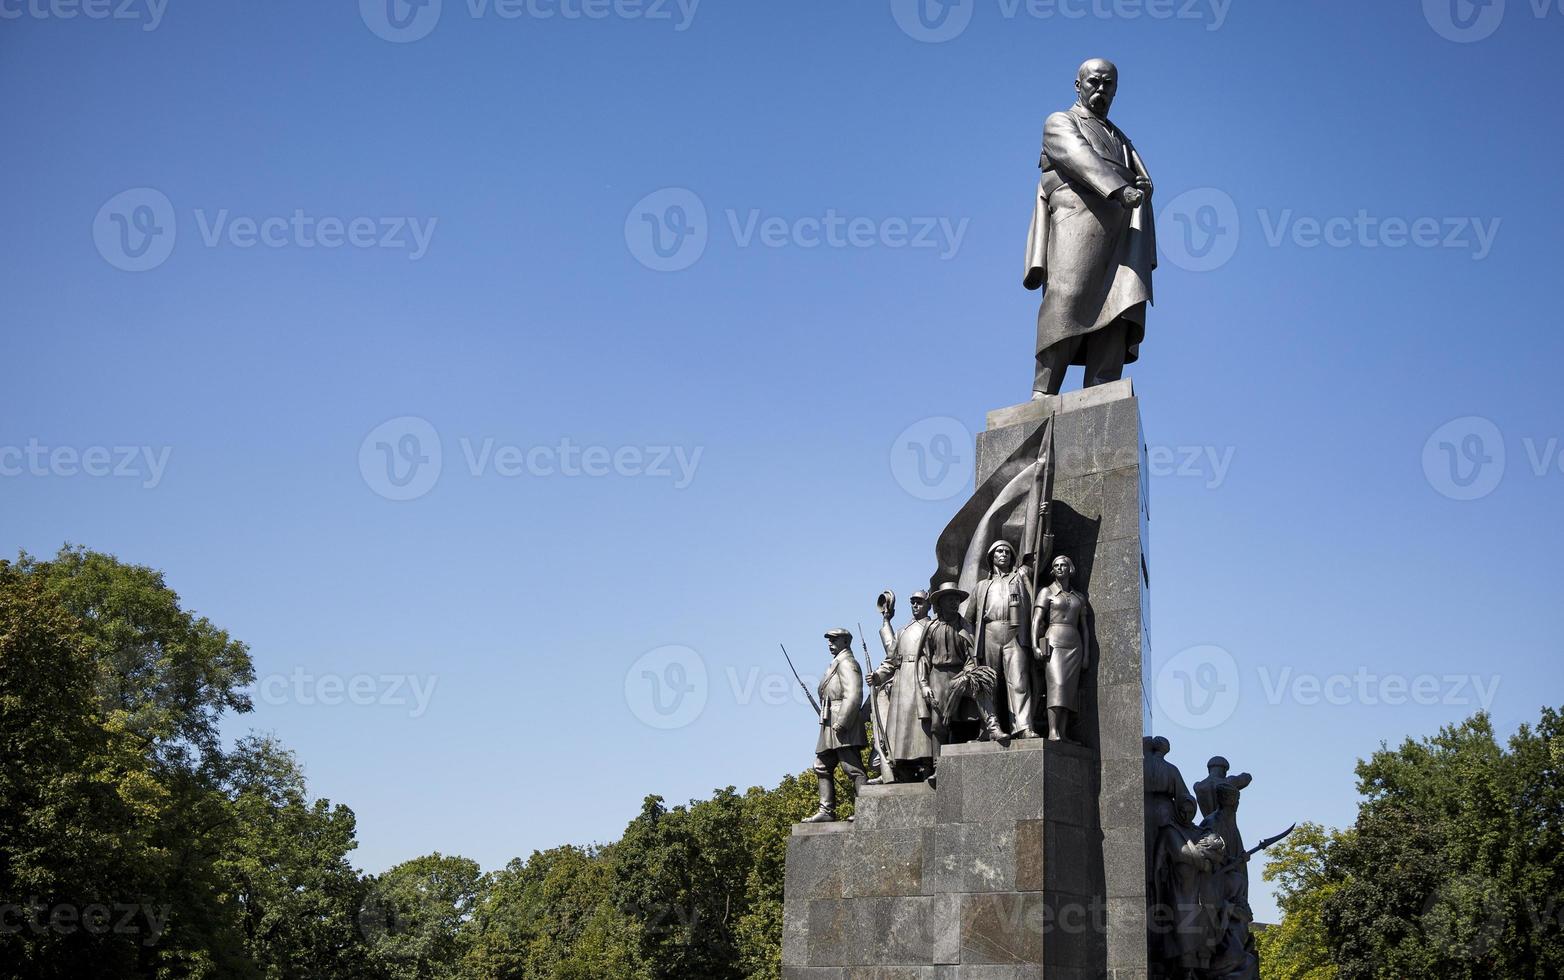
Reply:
x=1027, y=861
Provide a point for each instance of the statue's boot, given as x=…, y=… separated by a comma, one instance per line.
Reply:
x=827, y=811
x=1058, y=724
x=991, y=729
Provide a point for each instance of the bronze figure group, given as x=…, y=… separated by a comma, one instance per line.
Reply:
x=1197, y=874
x=966, y=667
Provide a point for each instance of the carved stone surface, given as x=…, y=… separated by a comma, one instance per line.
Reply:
x=896, y=806
x=1102, y=519
x=1026, y=862
x=978, y=874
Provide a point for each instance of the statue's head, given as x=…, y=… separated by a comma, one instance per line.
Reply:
x=1186, y=809
x=919, y=601
x=1217, y=766
x=839, y=639
x=1001, y=556
x=1097, y=84
x=1161, y=745
x=1063, y=567
x=946, y=599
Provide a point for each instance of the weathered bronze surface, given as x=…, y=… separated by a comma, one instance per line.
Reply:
x=841, y=739
x=1093, y=244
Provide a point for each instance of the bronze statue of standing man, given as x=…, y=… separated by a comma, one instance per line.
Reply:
x=908, y=725
x=1218, y=795
x=1001, y=615
x=1093, y=244
x=842, y=737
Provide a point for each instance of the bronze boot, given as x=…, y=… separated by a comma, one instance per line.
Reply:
x=827, y=811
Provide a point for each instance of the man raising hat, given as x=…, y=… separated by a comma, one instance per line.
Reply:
x=907, y=728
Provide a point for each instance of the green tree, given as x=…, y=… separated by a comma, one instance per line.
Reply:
x=553, y=917
x=71, y=796
x=1454, y=860
x=1452, y=870
x=1299, y=947
x=416, y=916
x=167, y=675
x=285, y=863
x=117, y=793
x=681, y=873
x=159, y=680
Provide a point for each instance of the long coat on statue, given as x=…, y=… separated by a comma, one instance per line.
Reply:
x=906, y=714
x=1092, y=257
x=841, y=705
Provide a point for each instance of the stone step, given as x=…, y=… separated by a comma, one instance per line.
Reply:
x=896, y=806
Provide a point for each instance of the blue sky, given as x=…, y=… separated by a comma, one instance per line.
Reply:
x=674, y=291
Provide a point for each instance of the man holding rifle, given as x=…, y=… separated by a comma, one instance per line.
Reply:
x=841, y=740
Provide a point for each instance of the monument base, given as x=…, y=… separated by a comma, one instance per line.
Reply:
x=1027, y=862
x=990, y=876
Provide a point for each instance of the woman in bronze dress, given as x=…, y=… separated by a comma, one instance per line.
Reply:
x=1063, y=622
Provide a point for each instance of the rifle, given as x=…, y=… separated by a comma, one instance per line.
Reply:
x=812, y=702
x=880, y=735
x=1235, y=861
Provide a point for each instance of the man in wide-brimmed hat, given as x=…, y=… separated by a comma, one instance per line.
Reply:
x=841, y=738
x=904, y=713
x=951, y=689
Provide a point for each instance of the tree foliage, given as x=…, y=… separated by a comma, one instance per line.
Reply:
x=416, y=914
x=119, y=799
x=136, y=843
x=132, y=843
x=1299, y=947
x=1454, y=868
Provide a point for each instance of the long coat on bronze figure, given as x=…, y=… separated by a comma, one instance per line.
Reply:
x=1093, y=257
x=841, y=705
x=907, y=720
